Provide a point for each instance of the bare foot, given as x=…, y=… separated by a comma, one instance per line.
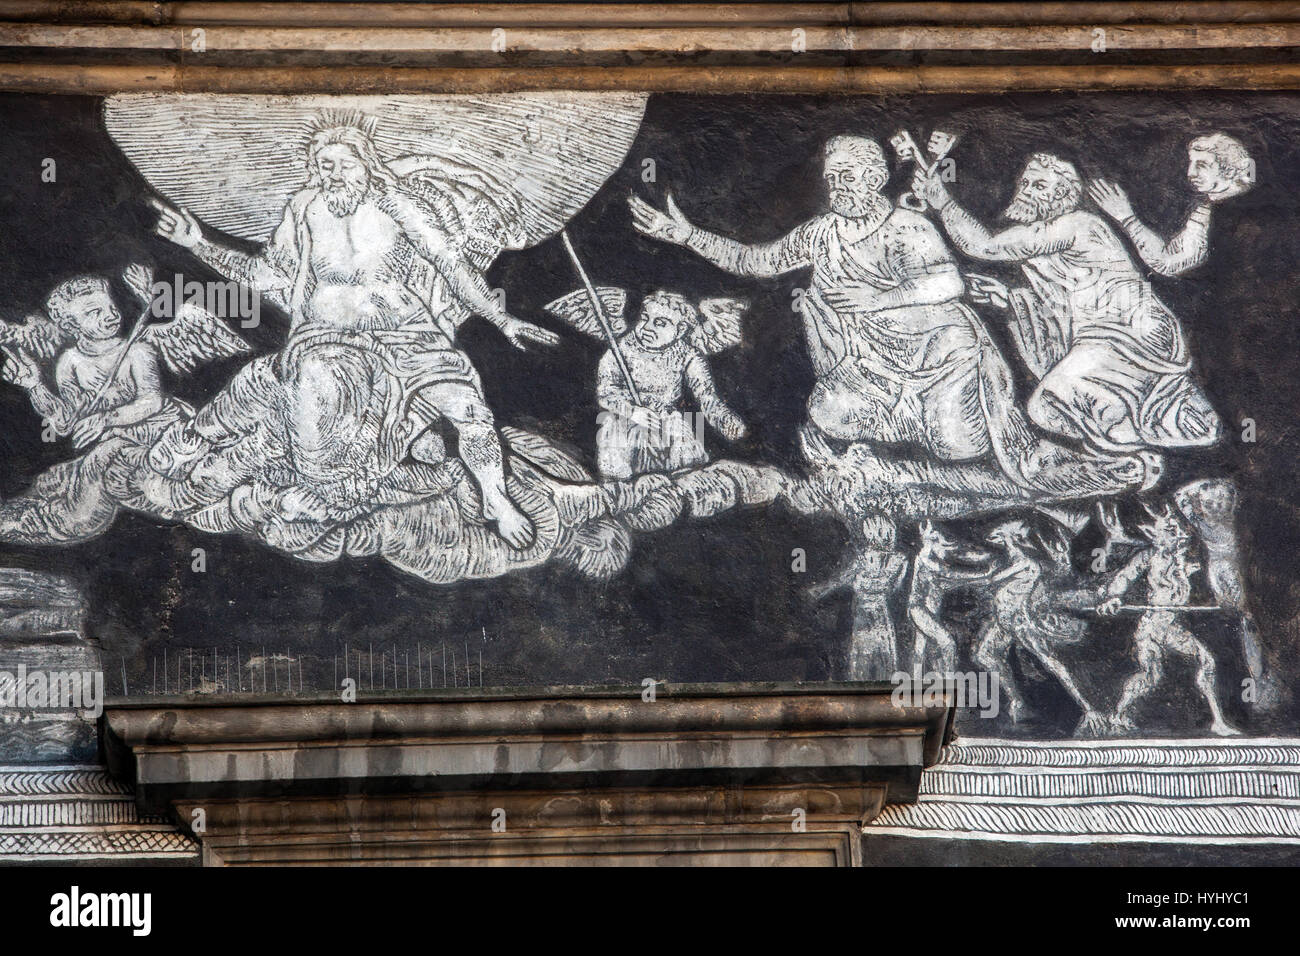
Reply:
x=1092, y=724
x=1221, y=728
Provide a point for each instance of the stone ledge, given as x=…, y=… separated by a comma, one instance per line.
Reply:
x=760, y=774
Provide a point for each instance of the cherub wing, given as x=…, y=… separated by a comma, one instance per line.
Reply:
x=38, y=335
x=575, y=309
x=720, y=324
x=192, y=337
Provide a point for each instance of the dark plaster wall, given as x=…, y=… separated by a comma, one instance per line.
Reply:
x=700, y=601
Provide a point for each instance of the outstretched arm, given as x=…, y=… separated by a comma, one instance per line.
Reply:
x=271, y=270
x=1184, y=251
x=975, y=240
x=1013, y=244
x=760, y=260
x=466, y=283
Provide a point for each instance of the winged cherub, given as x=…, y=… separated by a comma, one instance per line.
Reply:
x=107, y=395
x=644, y=379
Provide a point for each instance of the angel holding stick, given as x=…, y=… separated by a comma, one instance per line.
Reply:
x=641, y=386
x=107, y=395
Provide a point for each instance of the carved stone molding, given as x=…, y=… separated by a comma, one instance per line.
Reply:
x=756, y=774
x=742, y=47
x=79, y=814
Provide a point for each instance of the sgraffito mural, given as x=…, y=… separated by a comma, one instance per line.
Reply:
x=597, y=388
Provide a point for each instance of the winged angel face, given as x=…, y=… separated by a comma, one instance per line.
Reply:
x=664, y=319
x=83, y=308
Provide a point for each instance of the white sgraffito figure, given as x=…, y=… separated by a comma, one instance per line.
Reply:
x=1218, y=168
x=662, y=364
x=934, y=576
x=375, y=249
x=1210, y=507
x=1023, y=617
x=905, y=148
x=899, y=358
x=1167, y=567
x=874, y=574
x=107, y=395
x=1111, y=360
x=371, y=358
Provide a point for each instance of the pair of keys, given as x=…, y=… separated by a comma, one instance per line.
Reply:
x=905, y=147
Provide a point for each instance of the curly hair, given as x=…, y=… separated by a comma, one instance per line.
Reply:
x=1066, y=173
x=1234, y=162
x=864, y=150
x=688, y=317
x=66, y=292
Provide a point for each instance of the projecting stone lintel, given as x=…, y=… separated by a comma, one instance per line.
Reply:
x=759, y=773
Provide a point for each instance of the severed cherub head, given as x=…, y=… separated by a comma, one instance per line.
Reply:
x=1219, y=167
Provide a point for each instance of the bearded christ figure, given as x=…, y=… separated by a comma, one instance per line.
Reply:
x=370, y=363
x=1111, y=359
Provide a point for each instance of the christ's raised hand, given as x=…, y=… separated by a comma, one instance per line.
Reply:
x=177, y=225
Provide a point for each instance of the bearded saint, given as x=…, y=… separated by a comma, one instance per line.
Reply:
x=899, y=358
x=1112, y=362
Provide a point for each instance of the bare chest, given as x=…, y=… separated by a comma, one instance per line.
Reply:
x=365, y=243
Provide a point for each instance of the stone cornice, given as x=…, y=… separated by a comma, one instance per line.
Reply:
x=433, y=47
x=552, y=739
